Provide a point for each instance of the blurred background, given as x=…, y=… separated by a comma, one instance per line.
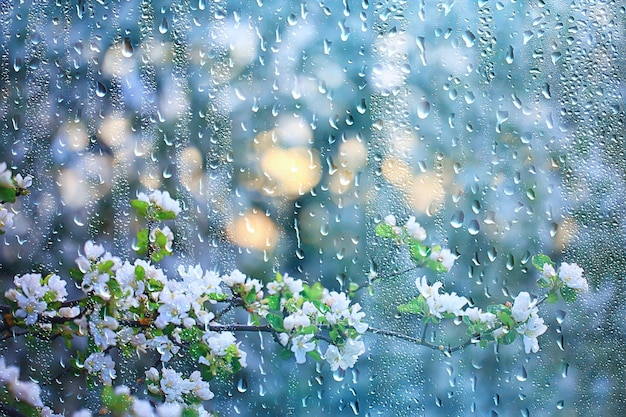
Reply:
x=288, y=129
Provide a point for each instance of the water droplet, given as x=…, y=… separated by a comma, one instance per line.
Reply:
x=492, y=253
x=469, y=38
x=127, y=48
x=564, y=369
x=292, y=19
x=560, y=404
x=242, y=385
x=510, y=262
x=361, y=108
x=510, y=55
x=101, y=90
x=240, y=94
x=423, y=109
x=164, y=26
x=522, y=375
x=339, y=375
x=473, y=227
x=457, y=219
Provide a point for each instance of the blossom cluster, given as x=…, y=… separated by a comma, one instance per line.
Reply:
x=135, y=308
x=10, y=187
x=310, y=310
x=413, y=235
x=34, y=296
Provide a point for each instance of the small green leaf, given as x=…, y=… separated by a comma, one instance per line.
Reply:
x=506, y=318
x=543, y=283
x=105, y=266
x=384, y=230
x=313, y=292
x=157, y=257
x=140, y=273
x=75, y=274
x=279, y=277
x=161, y=239
x=165, y=215
x=190, y=412
x=552, y=297
x=540, y=260
x=273, y=302
x=141, y=206
x=276, y=322
x=196, y=350
x=192, y=334
x=7, y=194
x=508, y=338
x=314, y=354
x=415, y=306
x=569, y=294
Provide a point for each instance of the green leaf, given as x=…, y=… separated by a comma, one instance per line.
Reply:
x=157, y=257
x=273, y=302
x=75, y=274
x=105, y=266
x=196, y=350
x=540, y=260
x=250, y=297
x=313, y=292
x=384, y=230
x=506, y=318
x=569, y=294
x=312, y=329
x=314, y=354
x=140, y=273
x=165, y=215
x=552, y=297
x=543, y=283
x=419, y=253
x=279, y=277
x=190, y=412
x=141, y=206
x=275, y=321
x=192, y=334
x=415, y=306
x=7, y=194
x=508, y=338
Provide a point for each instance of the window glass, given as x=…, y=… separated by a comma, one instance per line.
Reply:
x=289, y=129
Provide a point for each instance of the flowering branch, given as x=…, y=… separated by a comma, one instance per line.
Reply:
x=136, y=309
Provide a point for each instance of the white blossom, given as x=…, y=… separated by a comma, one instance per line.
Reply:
x=6, y=218
x=572, y=276
x=5, y=176
x=532, y=329
x=445, y=257
x=300, y=345
x=23, y=182
x=415, y=229
x=100, y=364
x=522, y=307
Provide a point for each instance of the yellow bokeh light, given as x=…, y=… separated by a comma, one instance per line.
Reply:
x=397, y=172
x=114, y=131
x=426, y=193
x=254, y=230
x=352, y=155
x=291, y=172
